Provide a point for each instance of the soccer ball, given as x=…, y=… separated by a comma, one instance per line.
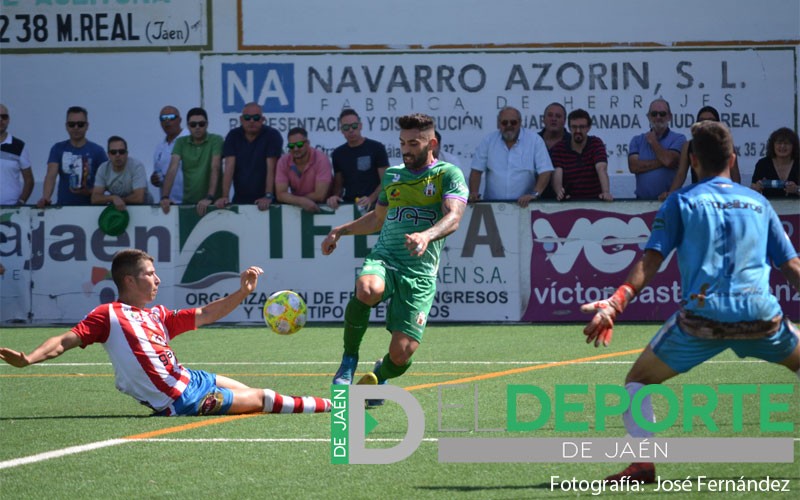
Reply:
x=285, y=312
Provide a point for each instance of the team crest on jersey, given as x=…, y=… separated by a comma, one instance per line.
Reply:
x=211, y=405
x=430, y=189
x=394, y=193
x=421, y=319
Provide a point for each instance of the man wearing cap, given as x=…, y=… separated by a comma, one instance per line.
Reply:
x=121, y=180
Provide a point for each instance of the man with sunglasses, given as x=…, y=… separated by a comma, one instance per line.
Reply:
x=198, y=156
x=653, y=156
x=170, y=119
x=73, y=162
x=516, y=162
x=251, y=153
x=121, y=180
x=358, y=165
x=303, y=177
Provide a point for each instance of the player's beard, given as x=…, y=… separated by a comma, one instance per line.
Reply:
x=417, y=162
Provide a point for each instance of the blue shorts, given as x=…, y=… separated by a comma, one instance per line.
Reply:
x=201, y=397
x=682, y=352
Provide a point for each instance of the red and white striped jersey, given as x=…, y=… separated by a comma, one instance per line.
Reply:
x=137, y=343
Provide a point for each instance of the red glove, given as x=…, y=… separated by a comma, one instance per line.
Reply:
x=601, y=328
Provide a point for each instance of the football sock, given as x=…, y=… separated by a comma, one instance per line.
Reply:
x=647, y=412
x=390, y=370
x=356, y=321
x=278, y=403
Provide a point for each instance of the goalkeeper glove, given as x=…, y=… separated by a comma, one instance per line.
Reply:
x=601, y=328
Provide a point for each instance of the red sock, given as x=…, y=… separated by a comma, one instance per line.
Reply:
x=279, y=403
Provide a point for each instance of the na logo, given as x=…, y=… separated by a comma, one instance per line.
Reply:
x=269, y=84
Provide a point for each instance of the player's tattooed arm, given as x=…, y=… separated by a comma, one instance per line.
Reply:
x=453, y=210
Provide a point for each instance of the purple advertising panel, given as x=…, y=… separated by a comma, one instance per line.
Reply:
x=581, y=255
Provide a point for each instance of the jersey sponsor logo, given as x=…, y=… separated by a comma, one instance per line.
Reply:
x=417, y=215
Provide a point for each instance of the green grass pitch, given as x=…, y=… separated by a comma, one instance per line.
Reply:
x=71, y=401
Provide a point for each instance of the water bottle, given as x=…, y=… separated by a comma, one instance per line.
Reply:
x=361, y=209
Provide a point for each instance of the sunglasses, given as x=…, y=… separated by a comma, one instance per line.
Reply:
x=76, y=124
x=506, y=123
x=3, y=116
x=115, y=152
x=350, y=126
x=252, y=118
x=298, y=144
x=197, y=124
x=166, y=118
x=662, y=114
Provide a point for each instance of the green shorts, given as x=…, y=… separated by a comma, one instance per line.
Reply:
x=410, y=297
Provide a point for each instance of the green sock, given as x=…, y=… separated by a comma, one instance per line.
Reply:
x=356, y=321
x=390, y=370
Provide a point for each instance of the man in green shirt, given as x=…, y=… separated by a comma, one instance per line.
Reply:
x=420, y=203
x=199, y=156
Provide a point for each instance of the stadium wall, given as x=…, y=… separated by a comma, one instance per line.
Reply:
x=503, y=264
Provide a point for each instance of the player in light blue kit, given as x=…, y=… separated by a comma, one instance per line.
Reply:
x=725, y=235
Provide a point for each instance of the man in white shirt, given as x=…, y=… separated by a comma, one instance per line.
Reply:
x=515, y=160
x=16, y=175
x=170, y=119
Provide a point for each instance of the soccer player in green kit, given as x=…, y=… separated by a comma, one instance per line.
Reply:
x=420, y=203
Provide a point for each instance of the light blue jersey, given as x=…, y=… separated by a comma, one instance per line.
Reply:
x=726, y=236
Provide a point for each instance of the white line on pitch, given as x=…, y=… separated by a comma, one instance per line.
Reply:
x=60, y=453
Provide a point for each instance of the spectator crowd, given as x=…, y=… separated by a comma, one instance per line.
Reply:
x=192, y=166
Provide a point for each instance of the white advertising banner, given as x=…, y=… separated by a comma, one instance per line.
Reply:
x=27, y=25
x=503, y=264
x=360, y=24
x=199, y=260
x=753, y=89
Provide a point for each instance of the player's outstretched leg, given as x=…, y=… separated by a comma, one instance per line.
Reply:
x=356, y=321
x=279, y=403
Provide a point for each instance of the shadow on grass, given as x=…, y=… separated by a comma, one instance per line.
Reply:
x=466, y=489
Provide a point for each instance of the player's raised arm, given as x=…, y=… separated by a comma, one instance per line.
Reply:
x=222, y=307
x=601, y=328
x=50, y=348
x=369, y=223
x=453, y=210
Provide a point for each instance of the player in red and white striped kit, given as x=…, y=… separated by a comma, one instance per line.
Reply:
x=137, y=342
